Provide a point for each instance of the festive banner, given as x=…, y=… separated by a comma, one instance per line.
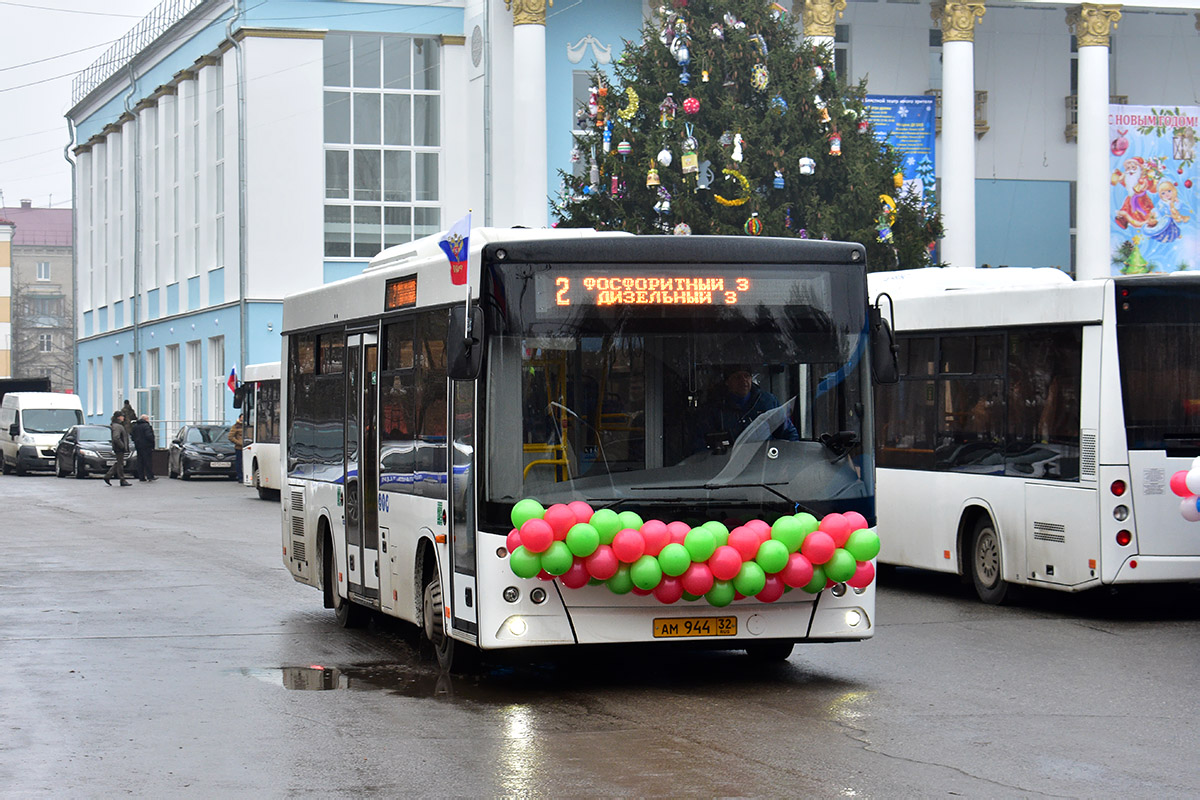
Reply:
x=909, y=124
x=1153, y=224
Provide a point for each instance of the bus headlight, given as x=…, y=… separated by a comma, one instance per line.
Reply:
x=853, y=617
x=517, y=626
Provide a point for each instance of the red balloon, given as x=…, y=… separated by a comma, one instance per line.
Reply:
x=670, y=590
x=577, y=576
x=773, y=589
x=837, y=526
x=583, y=512
x=697, y=580
x=818, y=547
x=537, y=535
x=864, y=573
x=798, y=572
x=602, y=564
x=655, y=534
x=545, y=576
x=561, y=519
x=678, y=531
x=642, y=592
x=738, y=595
x=629, y=545
x=513, y=541
x=761, y=528
x=725, y=563
x=1179, y=483
x=857, y=521
x=745, y=541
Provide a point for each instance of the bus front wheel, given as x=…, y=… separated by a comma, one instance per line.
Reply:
x=452, y=656
x=986, y=572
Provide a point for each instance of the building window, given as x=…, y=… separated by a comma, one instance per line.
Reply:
x=43, y=270
x=118, y=381
x=219, y=168
x=841, y=53
x=45, y=343
x=935, y=59
x=195, y=383
x=382, y=142
x=174, y=413
x=153, y=381
x=216, y=363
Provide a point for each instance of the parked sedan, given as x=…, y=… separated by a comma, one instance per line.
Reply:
x=85, y=449
x=201, y=450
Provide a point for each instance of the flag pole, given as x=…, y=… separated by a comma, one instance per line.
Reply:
x=467, y=306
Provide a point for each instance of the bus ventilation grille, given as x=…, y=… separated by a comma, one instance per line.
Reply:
x=298, y=550
x=1087, y=454
x=298, y=501
x=1049, y=532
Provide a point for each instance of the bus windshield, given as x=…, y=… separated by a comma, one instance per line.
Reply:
x=749, y=401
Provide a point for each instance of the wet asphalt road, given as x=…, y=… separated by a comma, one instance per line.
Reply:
x=152, y=644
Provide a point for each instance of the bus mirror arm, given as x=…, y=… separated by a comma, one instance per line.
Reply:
x=885, y=354
x=464, y=343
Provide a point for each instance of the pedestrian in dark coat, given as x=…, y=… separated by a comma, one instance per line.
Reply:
x=130, y=416
x=120, y=446
x=143, y=440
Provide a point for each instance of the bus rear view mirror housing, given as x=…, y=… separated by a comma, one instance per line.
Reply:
x=885, y=354
x=465, y=343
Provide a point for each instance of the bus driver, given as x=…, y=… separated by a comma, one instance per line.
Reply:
x=739, y=402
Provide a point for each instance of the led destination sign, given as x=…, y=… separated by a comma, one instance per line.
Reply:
x=644, y=290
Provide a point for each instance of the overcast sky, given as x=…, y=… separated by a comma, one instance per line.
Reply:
x=44, y=44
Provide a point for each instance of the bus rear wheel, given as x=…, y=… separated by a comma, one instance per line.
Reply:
x=986, y=566
x=452, y=656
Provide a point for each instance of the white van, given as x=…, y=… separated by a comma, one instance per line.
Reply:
x=31, y=423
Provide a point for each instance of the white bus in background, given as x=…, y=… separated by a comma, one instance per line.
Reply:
x=260, y=407
x=1036, y=425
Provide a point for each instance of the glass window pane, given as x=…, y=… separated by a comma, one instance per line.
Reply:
x=337, y=231
x=397, y=66
x=366, y=61
x=397, y=119
x=337, y=117
x=337, y=174
x=337, y=59
x=427, y=176
x=989, y=355
x=366, y=118
x=426, y=120
x=397, y=176
x=397, y=226
x=367, y=231
x=426, y=221
x=366, y=174
x=425, y=62
x=958, y=354
x=916, y=356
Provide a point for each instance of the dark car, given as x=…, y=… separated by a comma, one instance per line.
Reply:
x=85, y=449
x=201, y=450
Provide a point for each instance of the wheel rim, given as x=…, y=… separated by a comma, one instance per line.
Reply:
x=987, y=558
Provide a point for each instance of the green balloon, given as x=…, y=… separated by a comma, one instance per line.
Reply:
x=629, y=520
x=557, y=558
x=790, y=531
x=721, y=594
x=526, y=510
x=750, y=579
x=524, y=563
x=818, y=581
x=674, y=559
x=646, y=573
x=583, y=539
x=700, y=544
x=691, y=598
x=772, y=556
x=607, y=523
x=621, y=582
x=840, y=567
x=863, y=544
x=595, y=582
x=808, y=523
x=719, y=532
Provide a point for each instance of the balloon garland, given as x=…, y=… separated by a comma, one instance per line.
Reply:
x=674, y=561
x=745, y=184
x=1186, y=484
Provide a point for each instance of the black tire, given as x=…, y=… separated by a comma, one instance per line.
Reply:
x=452, y=656
x=80, y=468
x=4, y=467
x=59, y=472
x=19, y=469
x=183, y=473
x=985, y=562
x=263, y=493
x=770, y=650
x=347, y=613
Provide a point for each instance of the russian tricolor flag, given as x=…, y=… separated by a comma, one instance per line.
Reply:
x=232, y=382
x=455, y=245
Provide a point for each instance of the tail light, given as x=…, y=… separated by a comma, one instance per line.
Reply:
x=1124, y=537
x=1118, y=487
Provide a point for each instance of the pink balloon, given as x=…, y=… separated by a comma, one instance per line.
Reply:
x=678, y=531
x=603, y=563
x=537, y=535
x=1189, y=509
x=837, y=526
x=724, y=563
x=577, y=576
x=629, y=545
x=561, y=519
x=656, y=536
x=857, y=521
x=669, y=590
x=798, y=572
x=513, y=540
x=545, y=576
x=745, y=541
x=697, y=579
x=818, y=547
x=1179, y=483
x=761, y=528
x=773, y=589
x=864, y=573
x=583, y=512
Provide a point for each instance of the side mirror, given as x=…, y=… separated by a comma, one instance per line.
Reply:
x=464, y=345
x=885, y=354
x=13, y=430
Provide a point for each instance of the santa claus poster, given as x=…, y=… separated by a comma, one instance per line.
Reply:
x=1154, y=223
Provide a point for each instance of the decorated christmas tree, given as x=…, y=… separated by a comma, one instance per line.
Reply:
x=725, y=120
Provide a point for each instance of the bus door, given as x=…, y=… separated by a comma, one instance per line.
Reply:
x=362, y=464
x=461, y=485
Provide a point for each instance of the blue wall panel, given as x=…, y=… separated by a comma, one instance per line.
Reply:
x=1023, y=223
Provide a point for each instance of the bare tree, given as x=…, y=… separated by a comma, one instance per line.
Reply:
x=42, y=335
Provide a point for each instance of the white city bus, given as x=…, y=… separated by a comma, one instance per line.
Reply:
x=571, y=380
x=1036, y=425
x=260, y=407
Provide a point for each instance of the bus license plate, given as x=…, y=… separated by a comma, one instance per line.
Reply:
x=673, y=627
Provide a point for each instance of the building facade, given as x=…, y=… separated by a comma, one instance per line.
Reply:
x=7, y=229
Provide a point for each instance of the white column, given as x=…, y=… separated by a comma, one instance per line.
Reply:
x=1090, y=24
x=529, y=124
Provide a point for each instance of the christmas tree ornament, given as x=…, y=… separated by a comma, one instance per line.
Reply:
x=823, y=111
x=804, y=233
x=779, y=105
x=683, y=229
x=737, y=147
x=778, y=12
x=818, y=74
x=835, y=144
x=691, y=106
x=608, y=134
x=760, y=43
x=898, y=180
x=733, y=22
x=807, y=166
x=666, y=110
x=687, y=160
x=664, y=157
x=753, y=225
x=576, y=155
x=593, y=104
x=704, y=176
x=863, y=125
x=631, y=106
x=717, y=31
x=743, y=184
x=704, y=76
x=778, y=181
x=760, y=77
x=725, y=139
x=624, y=148
x=652, y=177
x=594, y=173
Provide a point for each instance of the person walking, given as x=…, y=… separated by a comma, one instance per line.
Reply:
x=143, y=440
x=120, y=446
x=237, y=435
x=130, y=416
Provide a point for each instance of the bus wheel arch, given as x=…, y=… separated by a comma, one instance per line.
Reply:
x=348, y=613
x=981, y=556
x=451, y=655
